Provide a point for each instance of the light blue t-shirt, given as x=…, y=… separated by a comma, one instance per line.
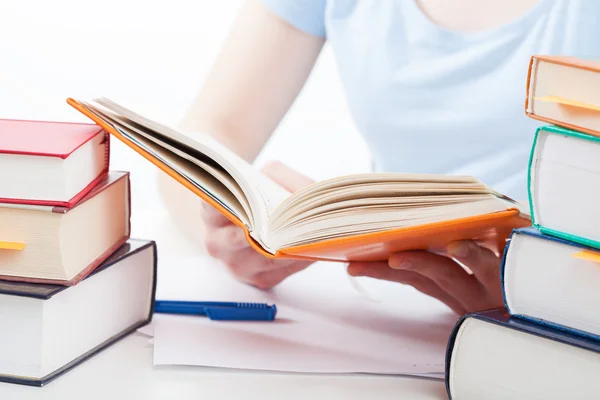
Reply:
x=429, y=100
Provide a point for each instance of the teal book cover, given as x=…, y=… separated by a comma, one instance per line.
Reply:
x=552, y=129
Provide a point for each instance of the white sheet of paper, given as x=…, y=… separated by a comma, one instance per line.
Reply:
x=323, y=324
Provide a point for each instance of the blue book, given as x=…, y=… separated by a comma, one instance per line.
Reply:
x=552, y=281
x=491, y=355
x=49, y=329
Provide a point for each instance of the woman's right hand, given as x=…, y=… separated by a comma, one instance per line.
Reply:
x=226, y=242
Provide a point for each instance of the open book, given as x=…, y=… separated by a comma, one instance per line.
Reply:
x=357, y=217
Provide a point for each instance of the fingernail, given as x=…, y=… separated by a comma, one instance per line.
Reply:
x=458, y=249
x=355, y=270
x=403, y=264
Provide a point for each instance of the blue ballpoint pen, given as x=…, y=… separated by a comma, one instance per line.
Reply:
x=218, y=311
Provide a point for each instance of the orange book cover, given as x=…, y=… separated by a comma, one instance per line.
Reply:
x=491, y=230
x=568, y=96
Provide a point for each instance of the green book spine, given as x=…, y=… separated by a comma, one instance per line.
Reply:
x=529, y=169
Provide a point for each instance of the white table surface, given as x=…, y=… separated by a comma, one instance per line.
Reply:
x=125, y=371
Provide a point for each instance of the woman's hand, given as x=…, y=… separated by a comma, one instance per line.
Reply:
x=435, y=275
x=227, y=243
x=443, y=278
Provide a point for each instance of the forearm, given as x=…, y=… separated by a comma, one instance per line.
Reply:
x=258, y=74
x=245, y=146
x=256, y=77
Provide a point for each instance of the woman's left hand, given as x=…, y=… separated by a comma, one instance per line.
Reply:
x=443, y=278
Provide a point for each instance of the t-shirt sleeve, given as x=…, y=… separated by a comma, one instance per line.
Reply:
x=305, y=15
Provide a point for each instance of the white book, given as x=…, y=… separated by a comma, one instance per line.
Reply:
x=49, y=329
x=492, y=356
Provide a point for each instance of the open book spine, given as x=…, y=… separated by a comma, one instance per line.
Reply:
x=169, y=171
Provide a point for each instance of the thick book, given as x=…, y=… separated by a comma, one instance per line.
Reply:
x=495, y=357
x=565, y=91
x=50, y=163
x=62, y=245
x=359, y=217
x=564, y=184
x=49, y=329
x=552, y=281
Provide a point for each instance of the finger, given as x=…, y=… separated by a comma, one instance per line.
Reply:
x=246, y=263
x=377, y=269
x=484, y=264
x=222, y=243
x=287, y=177
x=381, y=270
x=213, y=217
x=447, y=274
x=269, y=279
x=251, y=267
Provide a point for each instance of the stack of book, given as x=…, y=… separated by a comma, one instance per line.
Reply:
x=71, y=279
x=548, y=344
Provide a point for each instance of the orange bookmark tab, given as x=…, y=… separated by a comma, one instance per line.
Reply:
x=588, y=255
x=567, y=102
x=11, y=246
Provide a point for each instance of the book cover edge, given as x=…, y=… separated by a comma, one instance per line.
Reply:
x=557, y=327
x=530, y=81
x=74, y=363
x=450, y=348
x=500, y=317
x=503, y=266
x=593, y=244
x=299, y=252
x=561, y=130
x=529, y=175
x=55, y=155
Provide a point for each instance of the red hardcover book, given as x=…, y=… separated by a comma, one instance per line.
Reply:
x=50, y=163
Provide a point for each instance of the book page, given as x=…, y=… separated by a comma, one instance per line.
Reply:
x=205, y=181
x=367, y=219
x=263, y=194
x=128, y=129
x=360, y=204
x=391, y=183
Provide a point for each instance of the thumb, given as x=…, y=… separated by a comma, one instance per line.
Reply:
x=287, y=177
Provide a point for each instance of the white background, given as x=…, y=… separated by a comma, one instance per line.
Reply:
x=153, y=56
